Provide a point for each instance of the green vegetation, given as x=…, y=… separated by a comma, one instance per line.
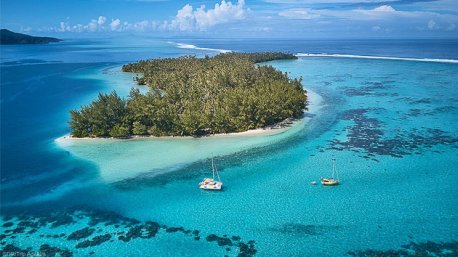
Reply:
x=8, y=37
x=191, y=96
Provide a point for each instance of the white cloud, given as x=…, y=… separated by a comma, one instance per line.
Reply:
x=299, y=13
x=138, y=26
x=101, y=20
x=200, y=19
x=379, y=19
x=78, y=28
x=92, y=26
x=195, y=19
x=95, y=24
x=141, y=26
x=114, y=24
x=384, y=8
x=100, y=25
x=64, y=26
x=186, y=19
x=383, y=12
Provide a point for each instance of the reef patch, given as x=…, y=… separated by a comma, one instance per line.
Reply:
x=366, y=136
x=412, y=249
x=92, y=229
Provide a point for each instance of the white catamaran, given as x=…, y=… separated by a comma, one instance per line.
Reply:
x=211, y=183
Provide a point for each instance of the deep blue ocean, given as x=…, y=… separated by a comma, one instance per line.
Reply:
x=386, y=110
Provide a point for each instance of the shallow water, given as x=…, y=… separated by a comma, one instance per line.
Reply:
x=391, y=126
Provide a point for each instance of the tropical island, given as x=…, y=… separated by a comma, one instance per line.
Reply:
x=8, y=37
x=190, y=96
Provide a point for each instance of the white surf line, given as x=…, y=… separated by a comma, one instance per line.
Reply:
x=189, y=46
x=378, y=57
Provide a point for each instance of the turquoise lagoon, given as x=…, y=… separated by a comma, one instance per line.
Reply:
x=390, y=124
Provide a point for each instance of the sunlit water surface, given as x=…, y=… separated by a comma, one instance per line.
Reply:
x=390, y=125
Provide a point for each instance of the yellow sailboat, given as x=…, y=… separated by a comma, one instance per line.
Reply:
x=332, y=181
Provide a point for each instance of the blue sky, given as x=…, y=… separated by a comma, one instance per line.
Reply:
x=236, y=18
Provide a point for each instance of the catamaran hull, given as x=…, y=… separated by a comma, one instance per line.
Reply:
x=329, y=182
x=211, y=188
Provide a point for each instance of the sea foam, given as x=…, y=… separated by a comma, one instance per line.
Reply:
x=189, y=46
x=377, y=57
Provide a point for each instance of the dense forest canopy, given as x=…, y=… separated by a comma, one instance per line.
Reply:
x=191, y=96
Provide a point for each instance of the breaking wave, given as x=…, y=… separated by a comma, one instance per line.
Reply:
x=378, y=57
x=189, y=46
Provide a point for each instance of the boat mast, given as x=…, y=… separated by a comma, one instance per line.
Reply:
x=333, y=167
x=217, y=174
x=213, y=168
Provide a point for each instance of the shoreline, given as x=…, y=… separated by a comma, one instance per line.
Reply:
x=314, y=105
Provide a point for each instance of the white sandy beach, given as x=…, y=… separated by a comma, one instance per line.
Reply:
x=119, y=159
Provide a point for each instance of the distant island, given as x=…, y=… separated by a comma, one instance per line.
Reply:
x=8, y=37
x=191, y=96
